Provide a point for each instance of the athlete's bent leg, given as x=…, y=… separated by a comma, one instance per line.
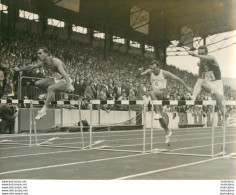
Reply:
x=156, y=107
x=50, y=97
x=219, y=101
x=44, y=83
x=163, y=118
x=197, y=88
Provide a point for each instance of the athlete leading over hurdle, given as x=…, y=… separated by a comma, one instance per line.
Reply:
x=209, y=77
x=159, y=84
x=61, y=84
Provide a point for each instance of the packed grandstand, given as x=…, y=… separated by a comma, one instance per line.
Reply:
x=93, y=76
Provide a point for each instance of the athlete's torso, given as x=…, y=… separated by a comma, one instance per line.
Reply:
x=52, y=68
x=158, y=81
x=209, y=70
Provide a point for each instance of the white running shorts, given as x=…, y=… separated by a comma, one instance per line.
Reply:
x=216, y=87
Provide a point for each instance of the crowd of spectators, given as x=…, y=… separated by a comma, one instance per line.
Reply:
x=93, y=77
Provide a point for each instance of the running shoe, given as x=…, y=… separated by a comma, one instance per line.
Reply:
x=168, y=137
x=42, y=96
x=40, y=114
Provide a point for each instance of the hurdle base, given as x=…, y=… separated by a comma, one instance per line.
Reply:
x=191, y=125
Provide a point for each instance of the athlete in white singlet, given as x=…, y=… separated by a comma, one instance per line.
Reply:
x=159, y=86
x=53, y=84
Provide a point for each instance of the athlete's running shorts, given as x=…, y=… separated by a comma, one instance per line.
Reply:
x=61, y=80
x=216, y=87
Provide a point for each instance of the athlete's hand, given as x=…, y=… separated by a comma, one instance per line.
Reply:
x=70, y=88
x=192, y=53
x=189, y=89
x=138, y=73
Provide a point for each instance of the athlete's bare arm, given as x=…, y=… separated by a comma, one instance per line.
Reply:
x=204, y=57
x=30, y=67
x=169, y=74
x=148, y=71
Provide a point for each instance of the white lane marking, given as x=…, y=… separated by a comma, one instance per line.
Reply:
x=6, y=148
x=200, y=146
x=165, y=169
x=69, y=164
x=35, y=154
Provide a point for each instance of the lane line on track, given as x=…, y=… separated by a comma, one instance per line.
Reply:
x=35, y=154
x=69, y=164
x=165, y=169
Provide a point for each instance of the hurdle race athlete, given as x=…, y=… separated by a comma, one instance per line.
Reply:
x=63, y=83
x=159, y=85
x=209, y=77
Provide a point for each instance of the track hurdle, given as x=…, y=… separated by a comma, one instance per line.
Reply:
x=181, y=103
x=141, y=145
x=33, y=121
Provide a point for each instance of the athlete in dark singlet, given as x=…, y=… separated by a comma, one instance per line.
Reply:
x=61, y=84
x=209, y=76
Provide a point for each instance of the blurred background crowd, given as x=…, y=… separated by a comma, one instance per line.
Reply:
x=93, y=77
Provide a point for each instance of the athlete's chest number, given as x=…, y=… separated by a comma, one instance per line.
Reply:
x=156, y=83
x=209, y=76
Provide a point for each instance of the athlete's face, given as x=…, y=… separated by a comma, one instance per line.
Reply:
x=202, y=52
x=41, y=55
x=155, y=69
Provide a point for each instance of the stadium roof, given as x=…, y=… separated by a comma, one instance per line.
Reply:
x=166, y=17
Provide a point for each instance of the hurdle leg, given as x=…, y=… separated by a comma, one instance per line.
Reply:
x=213, y=130
x=81, y=125
x=31, y=119
x=144, y=127
x=224, y=128
x=91, y=126
x=152, y=108
x=34, y=124
x=129, y=114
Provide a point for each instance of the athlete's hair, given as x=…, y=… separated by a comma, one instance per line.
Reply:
x=45, y=50
x=155, y=62
x=203, y=47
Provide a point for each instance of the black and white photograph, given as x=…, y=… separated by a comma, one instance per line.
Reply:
x=117, y=96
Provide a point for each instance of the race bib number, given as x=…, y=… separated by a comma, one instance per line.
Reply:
x=209, y=76
x=156, y=83
x=159, y=84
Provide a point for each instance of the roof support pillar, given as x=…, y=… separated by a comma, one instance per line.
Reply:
x=160, y=55
x=43, y=24
x=11, y=23
x=106, y=42
x=143, y=48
